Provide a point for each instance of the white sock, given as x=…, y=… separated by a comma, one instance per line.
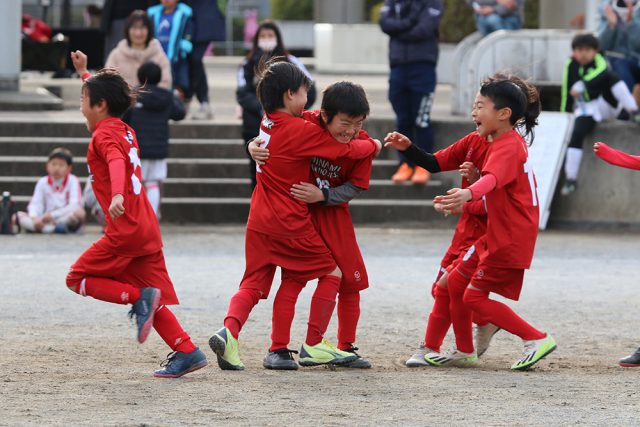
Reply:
x=572, y=163
x=26, y=222
x=625, y=98
x=153, y=194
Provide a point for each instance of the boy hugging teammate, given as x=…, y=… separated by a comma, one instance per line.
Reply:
x=280, y=232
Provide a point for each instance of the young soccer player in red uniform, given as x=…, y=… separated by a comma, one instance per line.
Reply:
x=279, y=228
x=126, y=265
x=465, y=155
x=623, y=160
x=343, y=111
x=496, y=262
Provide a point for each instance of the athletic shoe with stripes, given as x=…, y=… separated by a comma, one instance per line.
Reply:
x=144, y=310
x=631, y=361
x=534, y=351
x=324, y=353
x=452, y=357
x=179, y=363
x=417, y=360
x=482, y=337
x=359, y=363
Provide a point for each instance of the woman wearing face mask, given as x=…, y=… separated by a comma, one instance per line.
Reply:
x=137, y=48
x=267, y=43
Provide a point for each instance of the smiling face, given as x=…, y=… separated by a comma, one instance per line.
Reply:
x=485, y=116
x=92, y=114
x=343, y=127
x=295, y=101
x=138, y=35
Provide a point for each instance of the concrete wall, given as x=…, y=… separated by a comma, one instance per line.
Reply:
x=607, y=196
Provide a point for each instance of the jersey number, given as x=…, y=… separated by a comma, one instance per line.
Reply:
x=528, y=169
x=265, y=137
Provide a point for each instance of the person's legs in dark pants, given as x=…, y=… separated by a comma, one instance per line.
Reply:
x=422, y=82
x=399, y=96
x=582, y=126
x=628, y=71
x=199, y=84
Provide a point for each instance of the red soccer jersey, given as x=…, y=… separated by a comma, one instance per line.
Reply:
x=512, y=207
x=136, y=232
x=292, y=143
x=333, y=173
x=471, y=148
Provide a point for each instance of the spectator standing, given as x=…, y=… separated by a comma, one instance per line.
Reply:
x=412, y=26
x=150, y=117
x=114, y=18
x=137, y=48
x=173, y=25
x=620, y=39
x=209, y=26
x=267, y=43
x=494, y=15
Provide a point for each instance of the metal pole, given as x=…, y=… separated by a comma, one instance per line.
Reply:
x=10, y=45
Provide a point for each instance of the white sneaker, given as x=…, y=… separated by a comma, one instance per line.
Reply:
x=417, y=360
x=203, y=113
x=482, y=337
x=451, y=357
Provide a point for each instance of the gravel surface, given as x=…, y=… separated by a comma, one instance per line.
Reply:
x=68, y=360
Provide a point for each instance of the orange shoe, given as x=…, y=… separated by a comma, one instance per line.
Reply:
x=403, y=173
x=421, y=176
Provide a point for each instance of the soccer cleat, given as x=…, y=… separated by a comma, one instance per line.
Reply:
x=534, y=351
x=403, y=174
x=178, y=364
x=632, y=361
x=359, y=363
x=280, y=359
x=143, y=310
x=421, y=176
x=417, y=360
x=225, y=346
x=568, y=187
x=452, y=357
x=482, y=337
x=324, y=353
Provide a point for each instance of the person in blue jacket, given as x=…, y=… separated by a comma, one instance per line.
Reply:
x=412, y=26
x=172, y=23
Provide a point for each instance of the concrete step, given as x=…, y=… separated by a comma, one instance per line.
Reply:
x=178, y=167
x=178, y=147
x=241, y=187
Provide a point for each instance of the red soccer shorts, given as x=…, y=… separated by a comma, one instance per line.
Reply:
x=301, y=259
x=335, y=226
x=141, y=272
x=503, y=281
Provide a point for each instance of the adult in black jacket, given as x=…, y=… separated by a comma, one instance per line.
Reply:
x=412, y=26
x=267, y=43
x=150, y=117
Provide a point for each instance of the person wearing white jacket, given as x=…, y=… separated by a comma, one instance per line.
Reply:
x=56, y=204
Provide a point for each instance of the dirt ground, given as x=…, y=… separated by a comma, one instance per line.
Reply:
x=68, y=360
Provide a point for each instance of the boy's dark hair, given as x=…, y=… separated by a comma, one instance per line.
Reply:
x=149, y=73
x=135, y=17
x=276, y=77
x=61, y=153
x=585, y=40
x=108, y=85
x=509, y=91
x=344, y=97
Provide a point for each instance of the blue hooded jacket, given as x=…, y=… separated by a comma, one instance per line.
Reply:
x=412, y=26
x=181, y=29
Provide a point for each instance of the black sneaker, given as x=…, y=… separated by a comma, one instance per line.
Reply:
x=632, y=361
x=143, y=310
x=568, y=187
x=280, y=359
x=359, y=363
